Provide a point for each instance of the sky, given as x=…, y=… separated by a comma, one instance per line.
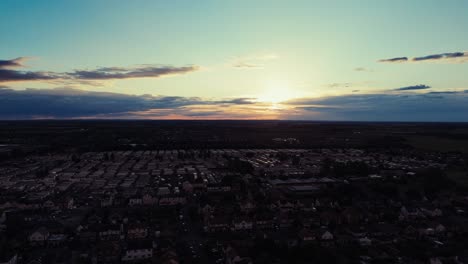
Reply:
x=245, y=59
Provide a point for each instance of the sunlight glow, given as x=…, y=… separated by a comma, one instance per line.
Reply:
x=276, y=92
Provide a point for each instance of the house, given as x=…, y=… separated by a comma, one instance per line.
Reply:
x=284, y=221
x=218, y=189
x=172, y=200
x=330, y=217
x=108, y=252
x=247, y=206
x=168, y=256
x=40, y=236
x=440, y=229
x=327, y=236
x=365, y=241
x=67, y=203
x=135, y=201
x=217, y=223
x=49, y=204
x=56, y=239
x=351, y=215
x=410, y=232
x=138, y=251
x=94, y=219
x=87, y=236
x=115, y=218
x=163, y=191
x=264, y=220
x=137, y=231
x=9, y=259
x=110, y=232
x=242, y=224
x=285, y=205
x=187, y=187
x=137, y=254
x=148, y=199
x=107, y=201
x=231, y=255
x=426, y=231
x=206, y=211
x=306, y=235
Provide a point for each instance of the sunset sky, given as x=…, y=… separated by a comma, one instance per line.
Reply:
x=350, y=60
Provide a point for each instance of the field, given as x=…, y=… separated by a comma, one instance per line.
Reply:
x=435, y=143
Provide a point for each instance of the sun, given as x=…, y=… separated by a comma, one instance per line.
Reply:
x=276, y=92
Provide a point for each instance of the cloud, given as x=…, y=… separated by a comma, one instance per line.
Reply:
x=18, y=62
x=7, y=75
x=111, y=73
x=67, y=103
x=445, y=92
x=239, y=101
x=441, y=56
x=398, y=59
x=449, y=57
x=246, y=65
x=252, y=62
x=318, y=108
x=75, y=103
x=356, y=85
x=85, y=76
x=412, y=88
x=451, y=106
x=337, y=85
x=362, y=69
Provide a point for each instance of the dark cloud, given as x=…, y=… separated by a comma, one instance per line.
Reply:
x=398, y=59
x=386, y=107
x=444, y=92
x=362, y=69
x=252, y=62
x=7, y=75
x=110, y=73
x=449, y=57
x=336, y=85
x=246, y=65
x=354, y=85
x=74, y=103
x=440, y=56
x=431, y=96
x=82, y=76
x=318, y=108
x=414, y=87
x=238, y=101
x=207, y=113
x=18, y=62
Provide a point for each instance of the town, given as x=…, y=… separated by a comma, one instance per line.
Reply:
x=233, y=206
x=233, y=132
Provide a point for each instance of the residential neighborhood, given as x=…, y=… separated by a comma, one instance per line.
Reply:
x=232, y=206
